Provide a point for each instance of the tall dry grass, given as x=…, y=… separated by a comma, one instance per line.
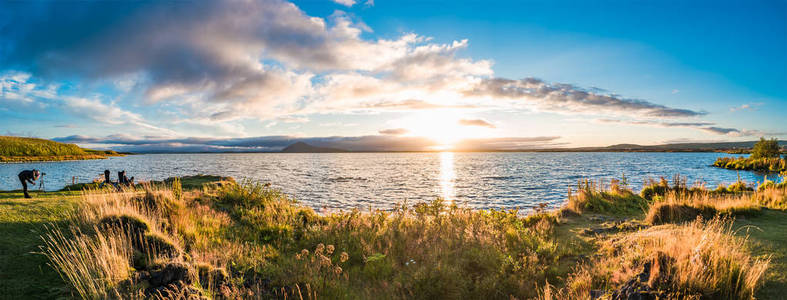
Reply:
x=93, y=264
x=687, y=206
x=597, y=197
x=428, y=250
x=701, y=259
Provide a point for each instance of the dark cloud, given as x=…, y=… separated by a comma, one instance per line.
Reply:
x=720, y=130
x=394, y=131
x=476, y=122
x=276, y=143
x=208, y=47
x=703, y=126
x=658, y=123
x=567, y=97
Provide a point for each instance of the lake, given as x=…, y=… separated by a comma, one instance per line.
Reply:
x=380, y=180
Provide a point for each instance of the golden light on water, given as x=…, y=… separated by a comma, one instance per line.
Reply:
x=447, y=176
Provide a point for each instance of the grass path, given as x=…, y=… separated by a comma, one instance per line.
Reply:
x=24, y=274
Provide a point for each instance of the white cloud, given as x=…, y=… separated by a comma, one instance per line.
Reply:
x=347, y=3
x=747, y=106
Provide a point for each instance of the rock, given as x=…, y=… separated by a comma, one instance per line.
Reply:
x=170, y=273
x=213, y=277
x=159, y=245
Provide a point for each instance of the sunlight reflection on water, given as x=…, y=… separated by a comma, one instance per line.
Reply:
x=447, y=176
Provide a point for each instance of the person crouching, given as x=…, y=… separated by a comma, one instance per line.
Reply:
x=28, y=176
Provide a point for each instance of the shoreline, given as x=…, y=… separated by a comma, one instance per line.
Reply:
x=55, y=158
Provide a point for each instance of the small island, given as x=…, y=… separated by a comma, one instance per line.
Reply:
x=22, y=149
x=765, y=157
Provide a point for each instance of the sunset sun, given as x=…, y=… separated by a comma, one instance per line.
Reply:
x=445, y=128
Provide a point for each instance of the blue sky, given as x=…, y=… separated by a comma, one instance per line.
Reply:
x=404, y=75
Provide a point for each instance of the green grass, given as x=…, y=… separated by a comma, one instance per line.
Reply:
x=18, y=149
x=752, y=164
x=768, y=236
x=25, y=274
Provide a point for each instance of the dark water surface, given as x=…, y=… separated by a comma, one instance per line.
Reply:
x=350, y=180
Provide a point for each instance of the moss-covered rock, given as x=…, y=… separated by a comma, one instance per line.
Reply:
x=134, y=225
x=159, y=245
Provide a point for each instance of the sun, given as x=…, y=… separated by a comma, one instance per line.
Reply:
x=442, y=127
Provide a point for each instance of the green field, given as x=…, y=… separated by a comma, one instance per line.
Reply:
x=17, y=149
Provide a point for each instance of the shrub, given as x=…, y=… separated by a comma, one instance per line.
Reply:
x=593, y=197
x=766, y=149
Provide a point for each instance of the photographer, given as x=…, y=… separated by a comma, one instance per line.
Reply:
x=28, y=176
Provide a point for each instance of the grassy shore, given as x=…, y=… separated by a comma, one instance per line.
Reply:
x=752, y=164
x=222, y=239
x=19, y=149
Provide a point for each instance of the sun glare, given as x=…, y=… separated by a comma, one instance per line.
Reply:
x=442, y=127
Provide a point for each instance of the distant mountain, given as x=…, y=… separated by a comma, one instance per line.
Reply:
x=678, y=147
x=301, y=147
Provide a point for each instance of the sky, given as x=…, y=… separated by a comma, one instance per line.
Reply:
x=392, y=75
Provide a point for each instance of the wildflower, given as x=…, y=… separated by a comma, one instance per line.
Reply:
x=337, y=270
x=319, y=249
x=325, y=261
x=344, y=257
x=329, y=249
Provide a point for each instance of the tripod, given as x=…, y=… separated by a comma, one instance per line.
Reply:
x=41, y=182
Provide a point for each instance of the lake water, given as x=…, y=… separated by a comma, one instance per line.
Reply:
x=350, y=180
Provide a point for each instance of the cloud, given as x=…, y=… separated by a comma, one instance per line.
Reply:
x=476, y=122
x=657, y=123
x=510, y=143
x=347, y=3
x=293, y=119
x=414, y=104
x=747, y=106
x=720, y=130
x=20, y=85
x=394, y=131
x=702, y=126
x=237, y=58
x=216, y=63
x=560, y=97
x=124, y=142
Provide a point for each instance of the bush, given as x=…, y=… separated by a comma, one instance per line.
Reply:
x=766, y=149
x=593, y=197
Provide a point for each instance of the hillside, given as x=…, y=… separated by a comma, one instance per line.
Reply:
x=301, y=147
x=35, y=149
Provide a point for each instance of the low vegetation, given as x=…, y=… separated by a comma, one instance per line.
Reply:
x=20, y=149
x=248, y=240
x=765, y=157
x=213, y=237
x=752, y=164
